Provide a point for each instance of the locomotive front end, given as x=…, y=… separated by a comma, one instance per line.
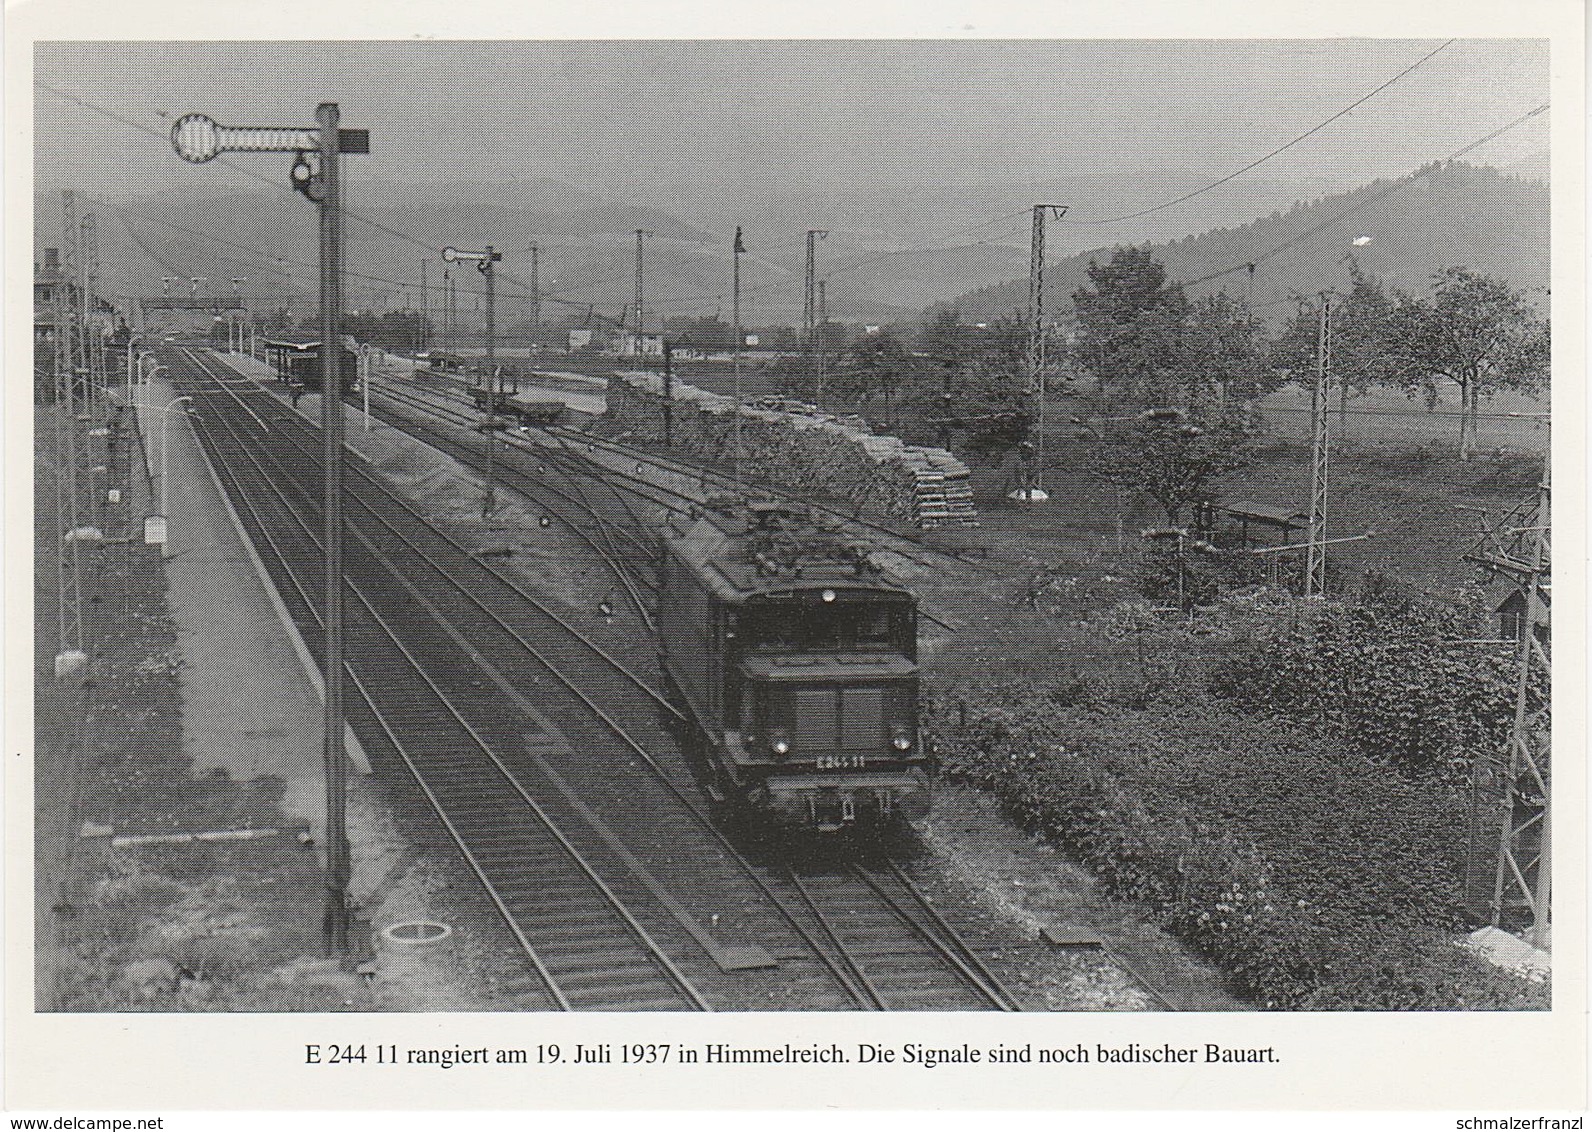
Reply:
x=796, y=659
x=828, y=712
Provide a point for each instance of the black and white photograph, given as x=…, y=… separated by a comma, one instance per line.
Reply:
x=1046, y=536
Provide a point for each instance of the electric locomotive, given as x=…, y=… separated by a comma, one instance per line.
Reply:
x=798, y=662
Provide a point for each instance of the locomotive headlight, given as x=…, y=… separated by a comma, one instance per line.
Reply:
x=901, y=739
x=779, y=743
x=828, y=595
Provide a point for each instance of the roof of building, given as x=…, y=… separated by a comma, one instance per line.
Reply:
x=1289, y=517
x=303, y=342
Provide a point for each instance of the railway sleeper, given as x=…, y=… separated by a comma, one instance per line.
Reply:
x=632, y=980
x=562, y=934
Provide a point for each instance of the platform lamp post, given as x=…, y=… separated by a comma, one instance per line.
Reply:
x=483, y=261
x=165, y=489
x=142, y=354
x=132, y=339
x=315, y=173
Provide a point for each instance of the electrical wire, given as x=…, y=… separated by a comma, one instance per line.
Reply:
x=927, y=248
x=1316, y=129
x=429, y=247
x=1368, y=200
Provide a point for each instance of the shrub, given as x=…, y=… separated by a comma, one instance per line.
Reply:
x=1315, y=876
x=1399, y=677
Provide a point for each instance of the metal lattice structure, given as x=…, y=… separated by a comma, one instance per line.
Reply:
x=1036, y=338
x=641, y=316
x=809, y=292
x=1320, y=452
x=93, y=353
x=1508, y=878
x=68, y=356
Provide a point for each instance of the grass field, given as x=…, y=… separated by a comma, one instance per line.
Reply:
x=1387, y=418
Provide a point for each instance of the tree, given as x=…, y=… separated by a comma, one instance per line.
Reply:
x=395, y=329
x=1174, y=381
x=708, y=334
x=1126, y=287
x=1475, y=331
x=1171, y=459
x=972, y=383
x=1358, y=351
x=876, y=367
x=1128, y=325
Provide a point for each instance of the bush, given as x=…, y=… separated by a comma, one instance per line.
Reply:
x=1394, y=675
x=1312, y=874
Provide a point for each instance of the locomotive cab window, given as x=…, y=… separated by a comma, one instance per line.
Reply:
x=811, y=627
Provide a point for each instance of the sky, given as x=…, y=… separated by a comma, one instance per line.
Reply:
x=707, y=127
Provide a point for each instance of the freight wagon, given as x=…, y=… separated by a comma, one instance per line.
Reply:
x=502, y=403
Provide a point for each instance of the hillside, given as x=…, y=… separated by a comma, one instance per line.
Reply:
x=1450, y=214
x=1455, y=214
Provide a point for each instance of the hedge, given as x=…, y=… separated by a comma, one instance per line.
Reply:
x=1316, y=877
x=1407, y=680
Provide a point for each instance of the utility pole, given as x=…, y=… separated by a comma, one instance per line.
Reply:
x=823, y=321
x=425, y=311
x=809, y=298
x=668, y=393
x=484, y=260
x=735, y=454
x=71, y=656
x=641, y=322
x=287, y=293
x=336, y=758
x=315, y=173
x=1509, y=874
x=447, y=311
x=1315, y=582
x=93, y=355
x=1034, y=492
x=536, y=288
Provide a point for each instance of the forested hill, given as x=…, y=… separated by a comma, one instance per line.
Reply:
x=1445, y=215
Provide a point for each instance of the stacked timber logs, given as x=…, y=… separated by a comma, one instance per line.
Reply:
x=811, y=454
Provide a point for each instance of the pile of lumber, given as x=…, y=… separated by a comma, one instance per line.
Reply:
x=809, y=454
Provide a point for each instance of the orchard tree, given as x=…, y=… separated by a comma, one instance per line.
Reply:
x=707, y=335
x=876, y=367
x=1129, y=326
x=1147, y=344
x=972, y=383
x=1360, y=324
x=1174, y=381
x=1475, y=331
x=1167, y=456
x=1220, y=356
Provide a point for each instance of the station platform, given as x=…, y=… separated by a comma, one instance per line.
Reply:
x=249, y=706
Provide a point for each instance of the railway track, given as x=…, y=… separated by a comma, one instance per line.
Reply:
x=588, y=948
x=574, y=455
x=620, y=540
x=448, y=655
x=909, y=544
x=862, y=911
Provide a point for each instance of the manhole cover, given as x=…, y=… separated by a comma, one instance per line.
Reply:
x=417, y=932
